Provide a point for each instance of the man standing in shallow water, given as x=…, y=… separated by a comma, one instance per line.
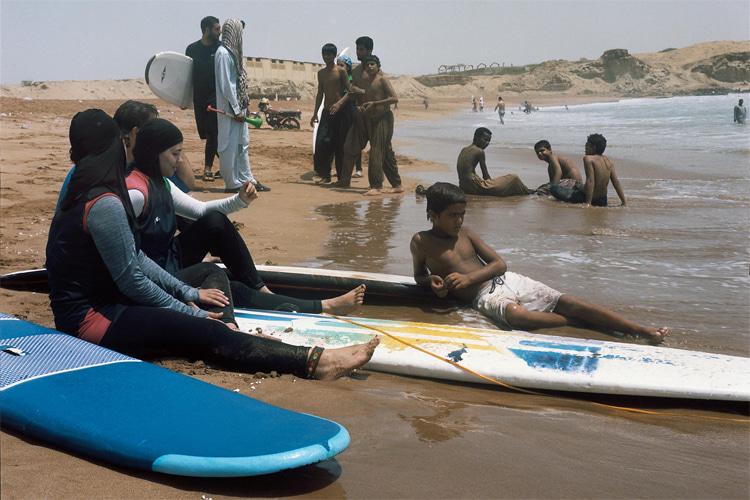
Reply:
x=740, y=112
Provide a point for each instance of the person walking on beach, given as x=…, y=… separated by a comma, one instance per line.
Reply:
x=600, y=170
x=204, y=89
x=451, y=259
x=500, y=108
x=471, y=183
x=336, y=118
x=232, y=98
x=740, y=112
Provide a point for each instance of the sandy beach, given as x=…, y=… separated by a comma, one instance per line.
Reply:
x=411, y=438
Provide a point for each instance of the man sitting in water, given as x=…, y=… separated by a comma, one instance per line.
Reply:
x=452, y=259
x=599, y=172
x=561, y=170
x=471, y=183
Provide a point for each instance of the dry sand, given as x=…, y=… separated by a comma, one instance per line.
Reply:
x=410, y=438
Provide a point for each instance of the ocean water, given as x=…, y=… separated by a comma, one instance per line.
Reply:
x=677, y=255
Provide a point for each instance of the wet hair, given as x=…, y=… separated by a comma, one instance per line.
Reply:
x=598, y=141
x=481, y=130
x=369, y=58
x=499, y=98
x=441, y=195
x=133, y=114
x=366, y=42
x=329, y=48
x=208, y=22
x=542, y=144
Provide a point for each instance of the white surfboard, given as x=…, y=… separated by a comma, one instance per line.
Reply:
x=344, y=52
x=521, y=359
x=169, y=75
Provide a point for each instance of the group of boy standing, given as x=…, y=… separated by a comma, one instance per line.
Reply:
x=356, y=110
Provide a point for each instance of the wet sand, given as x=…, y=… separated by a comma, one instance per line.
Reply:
x=411, y=438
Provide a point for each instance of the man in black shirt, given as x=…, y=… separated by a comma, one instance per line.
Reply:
x=204, y=88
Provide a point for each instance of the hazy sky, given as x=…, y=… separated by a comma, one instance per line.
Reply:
x=90, y=40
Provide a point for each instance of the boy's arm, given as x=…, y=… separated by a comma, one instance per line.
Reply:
x=618, y=187
x=344, y=81
x=390, y=96
x=554, y=171
x=483, y=165
x=318, y=101
x=588, y=187
x=494, y=265
x=421, y=273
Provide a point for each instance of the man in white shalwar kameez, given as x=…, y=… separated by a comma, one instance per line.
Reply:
x=231, y=97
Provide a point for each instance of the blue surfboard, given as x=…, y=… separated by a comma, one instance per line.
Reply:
x=112, y=407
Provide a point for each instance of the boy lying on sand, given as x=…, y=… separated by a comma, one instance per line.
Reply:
x=452, y=259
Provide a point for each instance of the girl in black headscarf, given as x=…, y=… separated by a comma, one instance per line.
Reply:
x=158, y=147
x=106, y=291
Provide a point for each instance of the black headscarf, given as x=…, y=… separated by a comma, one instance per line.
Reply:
x=154, y=137
x=97, y=150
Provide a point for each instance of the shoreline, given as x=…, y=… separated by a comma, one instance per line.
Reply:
x=467, y=440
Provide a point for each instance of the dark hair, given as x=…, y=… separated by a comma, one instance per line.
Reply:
x=208, y=23
x=481, y=130
x=329, y=48
x=542, y=144
x=369, y=58
x=366, y=42
x=441, y=195
x=598, y=141
x=499, y=98
x=133, y=114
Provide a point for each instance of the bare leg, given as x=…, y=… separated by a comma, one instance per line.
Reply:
x=520, y=317
x=345, y=304
x=335, y=363
x=598, y=316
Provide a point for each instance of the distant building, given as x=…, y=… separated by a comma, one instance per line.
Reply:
x=262, y=68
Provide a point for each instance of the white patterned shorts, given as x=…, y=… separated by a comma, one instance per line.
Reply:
x=512, y=288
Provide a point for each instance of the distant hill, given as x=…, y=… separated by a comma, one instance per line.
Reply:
x=713, y=67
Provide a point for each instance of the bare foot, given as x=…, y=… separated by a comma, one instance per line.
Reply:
x=345, y=304
x=339, y=184
x=323, y=181
x=373, y=192
x=335, y=363
x=399, y=189
x=655, y=336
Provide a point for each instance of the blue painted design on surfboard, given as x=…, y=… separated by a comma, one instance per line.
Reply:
x=558, y=361
x=102, y=404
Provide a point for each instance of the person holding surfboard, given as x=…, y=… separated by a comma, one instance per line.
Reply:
x=106, y=291
x=451, y=259
x=204, y=89
x=232, y=98
x=336, y=118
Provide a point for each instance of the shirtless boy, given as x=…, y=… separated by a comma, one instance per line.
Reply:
x=599, y=171
x=336, y=118
x=451, y=259
x=373, y=123
x=561, y=170
x=471, y=183
x=500, y=108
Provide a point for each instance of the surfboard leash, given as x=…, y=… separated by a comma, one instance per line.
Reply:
x=526, y=391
